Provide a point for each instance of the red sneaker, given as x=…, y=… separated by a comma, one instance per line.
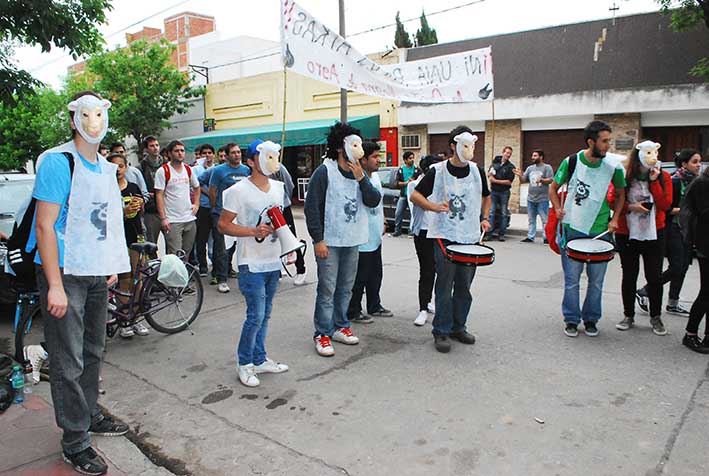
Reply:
x=323, y=346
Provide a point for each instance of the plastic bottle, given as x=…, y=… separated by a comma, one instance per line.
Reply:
x=18, y=384
x=28, y=380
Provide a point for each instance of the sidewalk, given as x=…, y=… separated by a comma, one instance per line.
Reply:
x=29, y=444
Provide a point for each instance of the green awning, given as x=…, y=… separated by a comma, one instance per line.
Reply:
x=297, y=133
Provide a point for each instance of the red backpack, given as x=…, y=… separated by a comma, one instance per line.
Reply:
x=166, y=169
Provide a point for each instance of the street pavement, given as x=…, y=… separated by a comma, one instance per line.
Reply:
x=524, y=400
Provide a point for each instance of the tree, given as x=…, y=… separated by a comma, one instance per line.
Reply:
x=401, y=37
x=70, y=24
x=685, y=15
x=144, y=87
x=425, y=35
x=33, y=124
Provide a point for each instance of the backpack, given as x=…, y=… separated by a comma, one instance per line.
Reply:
x=21, y=261
x=166, y=169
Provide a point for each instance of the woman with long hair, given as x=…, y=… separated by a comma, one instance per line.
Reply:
x=640, y=232
x=689, y=163
x=694, y=222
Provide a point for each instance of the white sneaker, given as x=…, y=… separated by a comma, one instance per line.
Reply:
x=299, y=279
x=270, y=367
x=346, y=336
x=223, y=288
x=126, y=332
x=140, y=329
x=247, y=375
x=421, y=318
x=36, y=355
x=324, y=347
x=432, y=307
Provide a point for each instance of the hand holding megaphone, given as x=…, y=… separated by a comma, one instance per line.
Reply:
x=262, y=231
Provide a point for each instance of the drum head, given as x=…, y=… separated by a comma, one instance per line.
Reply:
x=587, y=245
x=471, y=250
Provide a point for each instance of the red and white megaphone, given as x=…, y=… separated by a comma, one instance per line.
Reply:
x=289, y=243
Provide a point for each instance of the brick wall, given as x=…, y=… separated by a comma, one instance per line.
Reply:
x=147, y=33
x=508, y=132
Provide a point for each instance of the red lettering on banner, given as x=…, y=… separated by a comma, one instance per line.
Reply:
x=328, y=73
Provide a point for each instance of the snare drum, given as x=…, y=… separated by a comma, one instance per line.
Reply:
x=587, y=250
x=468, y=255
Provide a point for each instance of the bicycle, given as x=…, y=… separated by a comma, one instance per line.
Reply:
x=167, y=309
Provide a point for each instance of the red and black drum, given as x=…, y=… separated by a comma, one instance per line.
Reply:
x=467, y=255
x=587, y=250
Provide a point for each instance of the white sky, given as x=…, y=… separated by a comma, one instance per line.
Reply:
x=260, y=18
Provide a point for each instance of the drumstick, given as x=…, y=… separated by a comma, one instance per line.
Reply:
x=482, y=236
x=601, y=235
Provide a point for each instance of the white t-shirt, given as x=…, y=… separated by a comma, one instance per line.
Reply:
x=178, y=205
x=249, y=203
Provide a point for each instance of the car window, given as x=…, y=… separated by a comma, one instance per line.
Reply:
x=14, y=194
x=385, y=177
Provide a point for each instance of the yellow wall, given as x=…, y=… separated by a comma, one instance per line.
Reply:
x=258, y=100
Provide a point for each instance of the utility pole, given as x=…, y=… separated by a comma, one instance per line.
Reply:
x=343, y=92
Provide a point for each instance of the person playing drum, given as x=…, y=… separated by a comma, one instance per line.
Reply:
x=586, y=214
x=457, y=193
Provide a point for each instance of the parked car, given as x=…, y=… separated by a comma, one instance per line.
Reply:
x=391, y=196
x=15, y=191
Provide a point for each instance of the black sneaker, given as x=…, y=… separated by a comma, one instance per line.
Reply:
x=87, y=462
x=203, y=273
x=108, y=427
x=642, y=300
x=442, y=343
x=362, y=319
x=501, y=238
x=527, y=240
x=464, y=337
x=381, y=312
x=693, y=343
x=396, y=233
x=677, y=310
x=571, y=330
x=590, y=329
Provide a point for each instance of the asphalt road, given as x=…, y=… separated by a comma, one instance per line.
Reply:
x=524, y=400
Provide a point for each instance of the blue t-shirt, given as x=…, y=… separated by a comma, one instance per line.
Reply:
x=53, y=184
x=223, y=177
x=204, y=177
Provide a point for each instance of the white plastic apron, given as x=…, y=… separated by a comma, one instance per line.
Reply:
x=419, y=216
x=94, y=242
x=252, y=204
x=588, y=188
x=346, y=221
x=375, y=219
x=641, y=226
x=464, y=196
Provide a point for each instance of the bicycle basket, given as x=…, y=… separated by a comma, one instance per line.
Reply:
x=173, y=272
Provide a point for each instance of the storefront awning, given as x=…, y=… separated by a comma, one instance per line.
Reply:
x=297, y=133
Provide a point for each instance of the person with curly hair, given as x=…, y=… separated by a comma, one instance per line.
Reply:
x=336, y=219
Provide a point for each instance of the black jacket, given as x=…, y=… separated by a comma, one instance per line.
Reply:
x=694, y=215
x=502, y=172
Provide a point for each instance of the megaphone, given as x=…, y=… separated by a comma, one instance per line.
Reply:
x=289, y=243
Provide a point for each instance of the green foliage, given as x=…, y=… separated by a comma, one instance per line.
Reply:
x=70, y=24
x=401, y=36
x=144, y=87
x=35, y=123
x=425, y=35
x=685, y=15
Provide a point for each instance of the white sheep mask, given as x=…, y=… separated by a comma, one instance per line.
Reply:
x=465, y=146
x=90, y=117
x=268, y=154
x=353, y=147
x=647, y=152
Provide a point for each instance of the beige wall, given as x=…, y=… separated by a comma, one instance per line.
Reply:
x=507, y=132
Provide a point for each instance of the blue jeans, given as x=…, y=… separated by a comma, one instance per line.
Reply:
x=592, y=305
x=535, y=209
x=401, y=205
x=258, y=290
x=75, y=344
x=500, y=200
x=336, y=276
x=453, y=298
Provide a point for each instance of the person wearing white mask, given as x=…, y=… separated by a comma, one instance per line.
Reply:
x=457, y=195
x=641, y=232
x=335, y=215
x=79, y=237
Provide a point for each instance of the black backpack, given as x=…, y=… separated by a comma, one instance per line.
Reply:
x=20, y=260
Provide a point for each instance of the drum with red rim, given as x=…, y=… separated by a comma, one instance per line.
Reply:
x=587, y=250
x=468, y=255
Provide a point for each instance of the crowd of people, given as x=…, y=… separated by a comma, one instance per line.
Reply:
x=91, y=205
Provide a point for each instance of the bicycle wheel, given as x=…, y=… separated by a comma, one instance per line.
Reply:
x=172, y=309
x=29, y=330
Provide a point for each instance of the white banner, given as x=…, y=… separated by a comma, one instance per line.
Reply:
x=313, y=50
